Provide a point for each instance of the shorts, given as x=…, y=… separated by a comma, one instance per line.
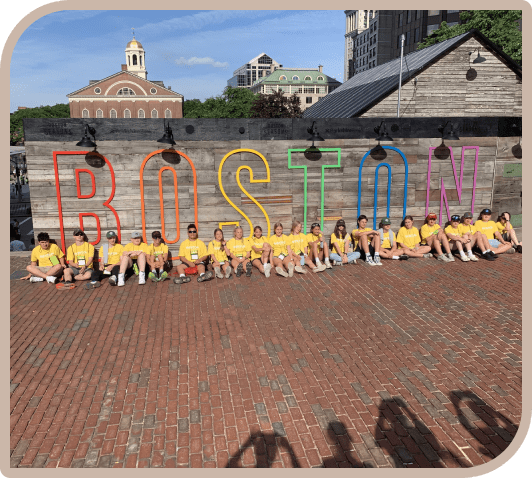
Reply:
x=506, y=237
x=494, y=242
x=362, y=253
x=45, y=269
x=76, y=270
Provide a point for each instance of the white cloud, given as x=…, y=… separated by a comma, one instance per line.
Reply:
x=193, y=61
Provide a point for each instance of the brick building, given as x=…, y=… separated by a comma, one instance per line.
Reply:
x=127, y=94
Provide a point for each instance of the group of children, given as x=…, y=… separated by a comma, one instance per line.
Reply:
x=285, y=254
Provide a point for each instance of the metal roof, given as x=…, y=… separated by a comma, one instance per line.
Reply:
x=365, y=88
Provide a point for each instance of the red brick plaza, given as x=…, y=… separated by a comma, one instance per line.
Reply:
x=412, y=364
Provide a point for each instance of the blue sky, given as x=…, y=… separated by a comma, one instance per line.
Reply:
x=195, y=52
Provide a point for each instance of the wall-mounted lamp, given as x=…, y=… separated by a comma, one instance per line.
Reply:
x=382, y=135
x=315, y=136
x=478, y=59
x=450, y=134
x=517, y=151
x=86, y=141
x=168, y=136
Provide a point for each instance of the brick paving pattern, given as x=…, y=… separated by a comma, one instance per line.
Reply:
x=412, y=364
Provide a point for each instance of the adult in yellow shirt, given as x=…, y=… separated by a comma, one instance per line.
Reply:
x=459, y=242
x=340, y=254
x=507, y=231
x=260, y=251
x=486, y=226
x=133, y=259
x=281, y=255
x=47, y=261
x=389, y=248
x=239, y=252
x=478, y=240
x=193, y=253
x=157, y=258
x=318, y=248
x=299, y=246
x=218, y=251
x=367, y=242
x=79, y=257
x=434, y=236
x=110, y=255
x=409, y=239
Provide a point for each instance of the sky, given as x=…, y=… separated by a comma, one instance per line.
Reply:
x=194, y=52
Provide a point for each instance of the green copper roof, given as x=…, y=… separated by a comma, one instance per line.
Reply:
x=310, y=75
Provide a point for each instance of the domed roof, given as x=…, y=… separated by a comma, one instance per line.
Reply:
x=135, y=44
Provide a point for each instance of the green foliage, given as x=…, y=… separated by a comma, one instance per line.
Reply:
x=276, y=105
x=232, y=103
x=498, y=26
x=16, y=128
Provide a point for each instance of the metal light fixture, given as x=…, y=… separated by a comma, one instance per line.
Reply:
x=381, y=132
x=86, y=141
x=168, y=137
x=517, y=150
x=315, y=136
x=478, y=59
x=450, y=135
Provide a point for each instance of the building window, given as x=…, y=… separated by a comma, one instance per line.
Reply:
x=418, y=14
x=452, y=24
x=154, y=113
x=400, y=20
x=282, y=77
x=308, y=89
x=85, y=113
x=320, y=78
x=97, y=91
x=453, y=11
x=99, y=113
x=295, y=78
x=167, y=113
x=127, y=113
x=407, y=39
x=373, y=62
x=113, y=113
x=433, y=12
x=308, y=78
x=153, y=91
x=134, y=59
x=416, y=35
x=431, y=28
x=141, y=113
x=309, y=100
x=398, y=41
x=125, y=92
x=408, y=16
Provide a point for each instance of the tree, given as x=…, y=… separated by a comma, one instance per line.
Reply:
x=232, y=103
x=276, y=105
x=498, y=26
x=59, y=110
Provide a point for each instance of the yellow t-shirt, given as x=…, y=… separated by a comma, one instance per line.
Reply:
x=386, y=240
x=42, y=256
x=464, y=229
x=298, y=243
x=215, y=249
x=132, y=247
x=451, y=230
x=257, y=242
x=312, y=238
x=279, y=244
x=341, y=243
x=238, y=247
x=113, y=255
x=409, y=237
x=192, y=250
x=75, y=253
x=157, y=251
x=486, y=227
x=427, y=231
x=501, y=227
x=354, y=231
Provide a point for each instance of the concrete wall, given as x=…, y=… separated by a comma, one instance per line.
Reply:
x=135, y=167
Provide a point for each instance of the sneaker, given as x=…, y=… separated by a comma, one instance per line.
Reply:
x=492, y=254
x=218, y=273
x=136, y=269
x=488, y=256
x=328, y=265
x=51, y=279
x=403, y=257
x=239, y=270
x=510, y=251
x=228, y=272
x=335, y=263
x=92, y=285
x=112, y=280
x=519, y=249
x=377, y=260
x=121, y=282
x=443, y=258
x=369, y=261
x=354, y=261
x=152, y=276
x=164, y=275
x=473, y=258
x=321, y=267
x=142, y=278
x=267, y=269
x=450, y=256
x=181, y=280
x=248, y=269
x=281, y=271
x=428, y=255
x=464, y=258
x=36, y=279
x=207, y=276
x=316, y=269
x=290, y=270
x=299, y=269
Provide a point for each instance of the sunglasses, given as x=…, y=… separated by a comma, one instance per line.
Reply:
x=79, y=234
x=192, y=232
x=455, y=218
x=315, y=225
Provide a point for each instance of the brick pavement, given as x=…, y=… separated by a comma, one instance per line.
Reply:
x=413, y=364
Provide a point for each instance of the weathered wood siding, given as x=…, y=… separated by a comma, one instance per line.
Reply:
x=444, y=90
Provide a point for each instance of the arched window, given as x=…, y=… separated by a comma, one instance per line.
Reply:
x=140, y=59
x=85, y=113
x=127, y=113
x=295, y=78
x=320, y=78
x=154, y=113
x=167, y=113
x=99, y=113
x=129, y=60
x=282, y=77
x=134, y=59
x=125, y=92
x=113, y=113
x=308, y=78
x=141, y=113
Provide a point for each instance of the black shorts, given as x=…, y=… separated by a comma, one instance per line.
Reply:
x=362, y=253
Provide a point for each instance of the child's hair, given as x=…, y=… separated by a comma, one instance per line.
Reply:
x=276, y=225
x=339, y=233
x=360, y=218
x=502, y=216
x=192, y=225
x=216, y=230
x=236, y=229
x=43, y=236
x=404, y=219
x=426, y=219
x=257, y=227
x=294, y=225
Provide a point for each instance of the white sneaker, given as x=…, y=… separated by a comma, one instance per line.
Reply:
x=112, y=280
x=473, y=258
x=36, y=279
x=228, y=272
x=121, y=282
x=218, y=273
x=299, y=269
x=377, y=260
x=267, y=269
x=464, y=258
x=354, y=261
x=281, y=271
x=369, y=261
x=450, y=256
x=328, y=265
x=142, y=278
x=442, y=258
x=334, y=263
x=321, y=267
x=51, y=279
x=290, y=270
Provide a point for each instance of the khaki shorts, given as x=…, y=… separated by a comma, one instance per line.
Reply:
x=45, y=269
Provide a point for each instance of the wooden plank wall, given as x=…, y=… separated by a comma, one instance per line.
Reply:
x=444, y=90
x=282, y=197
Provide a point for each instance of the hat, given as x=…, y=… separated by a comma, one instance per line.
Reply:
x=155, y=234
x=385, y=221
x=111, y=234
x=77, y=232
x=455, y=217
x=468, y=215
x=431, y=215
x=486, y=211
x=136, y=234
x=340, y=222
